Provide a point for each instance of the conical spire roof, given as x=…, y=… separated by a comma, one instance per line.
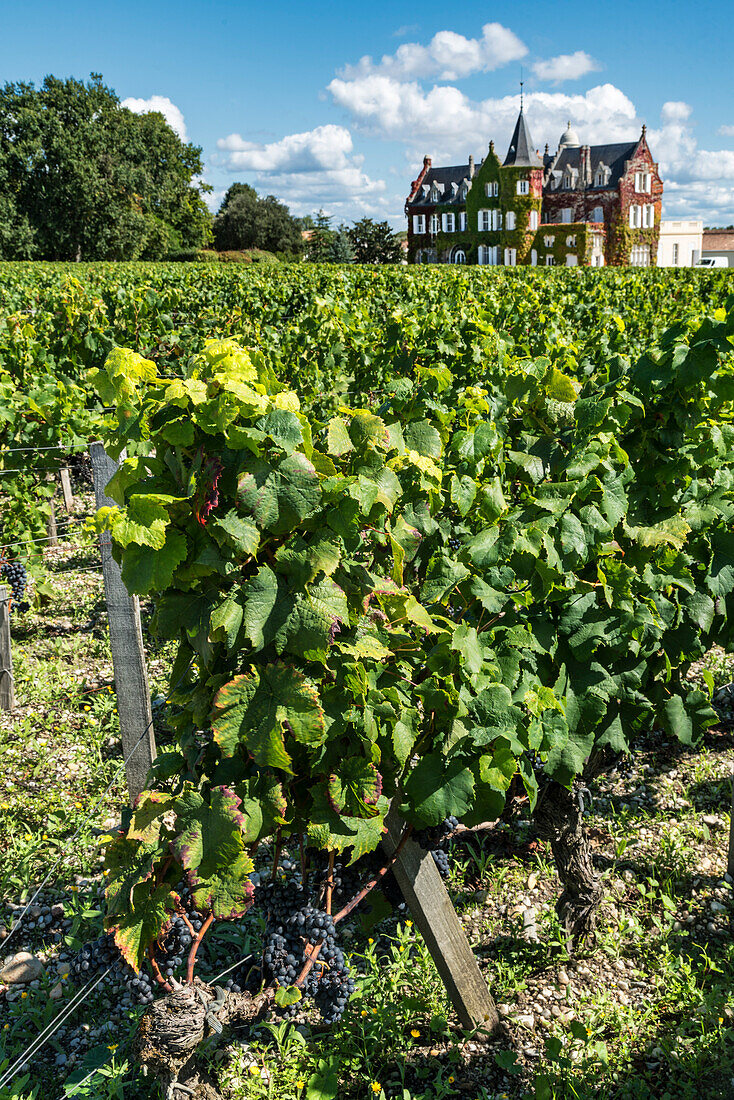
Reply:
x=522, y=152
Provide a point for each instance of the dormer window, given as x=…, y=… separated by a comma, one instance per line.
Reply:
x=643, y=182
x=601, y=179
x=434, y=195
x=523, y=187
x=493, y=189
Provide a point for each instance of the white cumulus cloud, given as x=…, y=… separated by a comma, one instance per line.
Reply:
x=726, y=131
x=444, y=121
x=307, y=170
x=567, y=66
x=448, y=56
x=161, y=103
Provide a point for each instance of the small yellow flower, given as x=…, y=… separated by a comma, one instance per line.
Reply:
x=415, y=1033
x=376, y=1086
x=363, y=1012
x=402, y=947
x=374, y=1011
x=300, y=1083
x=23, y=995
x=45, y=836
x=254, y=1071
x=78, y=805
x=408, y=924
x=451, y=1080
x=86, y=708
x=370, y=941
x=721, y=1019
x=6, y=1027
x=5, y=805
x=65, y=975
x=112, y=1046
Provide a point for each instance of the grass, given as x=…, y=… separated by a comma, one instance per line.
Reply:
x=647, y=1011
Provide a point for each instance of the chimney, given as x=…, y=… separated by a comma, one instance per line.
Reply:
x=471, y=167
x=427, y=162
x=585, y=166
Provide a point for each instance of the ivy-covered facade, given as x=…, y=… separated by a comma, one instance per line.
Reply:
x=585, y=205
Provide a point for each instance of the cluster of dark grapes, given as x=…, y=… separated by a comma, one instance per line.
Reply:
x=437, y=834
x=14, y=572
x=454, y=544
x=435, y=840
x=102, y=954
x=292, y=922
x=175, y=945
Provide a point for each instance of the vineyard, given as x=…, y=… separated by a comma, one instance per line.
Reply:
x=436, y=573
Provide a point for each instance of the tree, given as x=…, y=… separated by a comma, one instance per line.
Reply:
x=84, y=178
x=245, y=220
x=375, y=243
x=326, y=245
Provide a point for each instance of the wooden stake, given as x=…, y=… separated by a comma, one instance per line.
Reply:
x=66, y=489
x=7, y=688
x=126, y=640
x=438, y=923
x=730, y=856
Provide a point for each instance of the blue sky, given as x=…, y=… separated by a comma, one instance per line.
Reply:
x=333, y=105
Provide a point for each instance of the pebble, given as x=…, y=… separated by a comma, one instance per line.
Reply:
x=525, y=1019
x=712, y=820
x=57, y=992
x=21, y=969
x=532, y=881
x=563, y=978
x=717, y=907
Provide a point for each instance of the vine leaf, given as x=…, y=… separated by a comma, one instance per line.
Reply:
x=255, y=710
x=334, y=832
x=436, y=789
x=205, y=830
x=355, y=787
x=279, y=496
x=141, y=924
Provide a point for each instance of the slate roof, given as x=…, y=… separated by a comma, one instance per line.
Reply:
x=445, y=179
x=522, y=152
x=613, y=156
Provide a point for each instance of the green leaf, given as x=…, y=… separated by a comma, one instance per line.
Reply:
x=287, y=995
x=207, y=832
x=463, y=492
x=145, y=569
x=322, y=1086
x=256, y=709
x=223, y=889
x=339, y=442
x=140, y=925
x=672, y=531
x=242, y=534
x=284, y=428
x=281, y=495
x=560, y=387
x=421, y=436
x=354, y=787
x=436, y=789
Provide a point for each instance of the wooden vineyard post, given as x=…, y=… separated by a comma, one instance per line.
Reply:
x=66, y=489
x=437, y=921
x=7, y=689
x=126, y=641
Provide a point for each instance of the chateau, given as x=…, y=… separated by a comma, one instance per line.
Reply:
x=586, y=205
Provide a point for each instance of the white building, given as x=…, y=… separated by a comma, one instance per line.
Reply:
x=680, y=243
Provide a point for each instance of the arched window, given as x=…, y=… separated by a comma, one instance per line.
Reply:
x=459, y=256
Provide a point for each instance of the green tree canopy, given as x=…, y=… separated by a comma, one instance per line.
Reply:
x=375, y=243
x=83, y=178
x=327, y=245
x=245, y=220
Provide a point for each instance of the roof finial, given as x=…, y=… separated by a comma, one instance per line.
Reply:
x=521, y=92
x=644, y=129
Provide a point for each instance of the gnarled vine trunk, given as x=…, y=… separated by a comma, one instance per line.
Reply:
x=171, y=1030
x=559, y=818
